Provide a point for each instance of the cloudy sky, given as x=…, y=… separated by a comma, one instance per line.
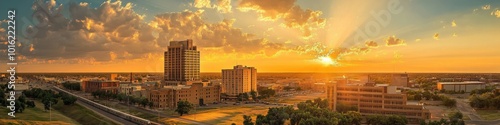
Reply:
x=273, y=36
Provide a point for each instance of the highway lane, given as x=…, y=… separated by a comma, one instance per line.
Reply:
x=110, y=116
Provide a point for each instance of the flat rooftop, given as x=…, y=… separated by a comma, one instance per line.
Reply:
x=464, y=82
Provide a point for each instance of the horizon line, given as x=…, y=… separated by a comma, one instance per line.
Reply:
x=285, y=72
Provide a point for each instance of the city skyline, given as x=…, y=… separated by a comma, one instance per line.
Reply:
x=383, y=36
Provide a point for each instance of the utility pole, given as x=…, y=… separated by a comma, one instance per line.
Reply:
x=50, y=111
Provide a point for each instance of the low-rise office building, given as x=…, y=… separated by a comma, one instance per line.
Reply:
x=97, y=85
x=197, y=94
x=375, y=100
x=466, y=86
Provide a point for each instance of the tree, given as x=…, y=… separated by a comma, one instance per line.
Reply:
x=254, y=95
x=48, y=101
x=150, y=104
x=353, y=117
x=299, y=115
x=22, y=98
x=266, y=93
x=345, y=108
x=3, y=100
x=243, y=97
x=71, y=86
x=248, y=120
x=456, y=115
x=183, y=107
x=298, y=89
x=277, y=115
x=261, y=120
x=450, y=103
x=144, y=102
x=319, y=121
x=68, y=99
x=19, y=106
x=30, y=104
x=397, y=120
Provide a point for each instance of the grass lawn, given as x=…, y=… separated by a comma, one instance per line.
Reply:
x=301, y=98
x=489, y=114
x=36, y=115
x=225, y=115
x=132, y=111
x=82, y=114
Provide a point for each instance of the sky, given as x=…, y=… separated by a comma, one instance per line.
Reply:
x=272, y=36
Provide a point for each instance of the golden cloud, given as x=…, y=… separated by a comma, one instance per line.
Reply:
x=371, y=44
x=453, y=24
x=224, y=6
x=436, y=36
x=393, y=41
x=293, y=15
x=202, y=4
x=486, y=7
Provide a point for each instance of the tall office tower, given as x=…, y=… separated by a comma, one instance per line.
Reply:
x=240, y=79
x=182, y=63
x=400, y=80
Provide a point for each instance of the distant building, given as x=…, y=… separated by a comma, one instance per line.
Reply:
x=400, y=80
x=466, y=86
x=240, y=79
x=96, y=85
x=113, y=77
x=182, y=63
x=197, y=93
x=128, y=89
x=375, y=100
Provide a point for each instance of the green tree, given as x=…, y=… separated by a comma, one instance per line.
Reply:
x=248, y=120
x=68, y=99
x=243, y=97
x=450, y=103
x=30, y=104
x=353, y=117
x=277, y=116
x=150, y=104
x=254, y=95
x=261, y=120
x=48, y=100
x=183, y=107
x=456, y=115
x=345, y=108
x=319, y=121
x=22, y=98
x=299, y=115
x=3, y=100
x=144, y=102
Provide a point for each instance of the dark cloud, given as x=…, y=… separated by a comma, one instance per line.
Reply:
x=393, y=41
x=371, y=44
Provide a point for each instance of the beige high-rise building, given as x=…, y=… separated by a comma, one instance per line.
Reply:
x=240, y=79
x=182, y=63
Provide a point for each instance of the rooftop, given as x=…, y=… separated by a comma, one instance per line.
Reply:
x=464, y=82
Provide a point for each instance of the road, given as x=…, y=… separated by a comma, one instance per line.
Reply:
x=188, y=121
x=464, y=107
x=112, y=117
